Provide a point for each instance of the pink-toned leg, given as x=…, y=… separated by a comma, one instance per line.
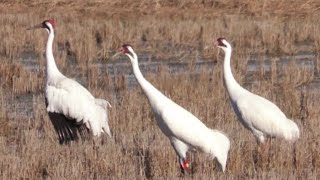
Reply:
x=184, y=165
x=265, y=147
x=264, y=150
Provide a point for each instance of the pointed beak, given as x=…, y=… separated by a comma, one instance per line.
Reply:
x=115, y=55
x=120, y=51
x=35, y=27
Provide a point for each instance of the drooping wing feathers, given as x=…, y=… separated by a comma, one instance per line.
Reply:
x=84, y=132
x=68, y=130
x=70, y=99
x=103, y=103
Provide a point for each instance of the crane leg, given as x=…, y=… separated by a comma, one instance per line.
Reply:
x=264, y=150
x=181, y=150
x=184, y=166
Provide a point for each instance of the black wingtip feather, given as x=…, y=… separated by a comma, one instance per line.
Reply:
x=67, y=129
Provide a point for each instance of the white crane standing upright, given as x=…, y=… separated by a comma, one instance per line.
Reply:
x=184, y=130
x=72, y=109
x=260, y=116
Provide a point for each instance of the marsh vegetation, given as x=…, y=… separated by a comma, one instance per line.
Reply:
x=276, y=45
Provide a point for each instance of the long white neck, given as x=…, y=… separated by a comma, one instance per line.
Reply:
x=154, y=95
x=52, y=70
x=234, y=89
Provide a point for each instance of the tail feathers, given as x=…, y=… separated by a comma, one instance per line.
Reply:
x=291, y=131
x=220, y=145
x=104, y=115
x=103, y=103
x=107, y=130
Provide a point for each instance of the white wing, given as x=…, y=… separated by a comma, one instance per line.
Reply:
x=261, y=114
x=69, y=98
x=184, y=125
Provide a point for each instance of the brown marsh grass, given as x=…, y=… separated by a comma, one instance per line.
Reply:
x=180, y=31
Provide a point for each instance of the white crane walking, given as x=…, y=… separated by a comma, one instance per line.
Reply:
x=262, y=117
x=184, y=130
x=72, y=109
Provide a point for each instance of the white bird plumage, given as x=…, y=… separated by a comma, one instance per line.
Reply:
x=71, y=107
x=262, y=117
x=184, y=130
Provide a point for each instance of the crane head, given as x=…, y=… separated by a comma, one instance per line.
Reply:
x=126, y=49
x=45, y=24
x=221, y=42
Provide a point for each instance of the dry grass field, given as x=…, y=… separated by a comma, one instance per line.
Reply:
x=182, y=31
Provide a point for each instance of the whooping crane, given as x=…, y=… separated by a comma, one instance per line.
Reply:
x=72, y=109
x=262, y=117
x=184, y=130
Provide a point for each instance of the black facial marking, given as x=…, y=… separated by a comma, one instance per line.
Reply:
x=44, y=25
x=220, y=42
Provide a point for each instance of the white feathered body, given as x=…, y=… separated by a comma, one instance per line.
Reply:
x=67, y=101
x=184, y=130
x=176, y=122
x=264, y=118
x=256, y=113
x=68, y=97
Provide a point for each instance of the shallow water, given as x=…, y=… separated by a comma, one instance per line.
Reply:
x=23, y=104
